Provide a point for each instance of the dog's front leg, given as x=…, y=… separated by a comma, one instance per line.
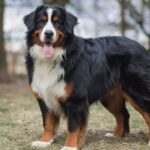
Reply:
x=77, y=113
x=50, y=124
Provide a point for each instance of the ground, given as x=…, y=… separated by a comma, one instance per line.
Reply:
x=20, y=123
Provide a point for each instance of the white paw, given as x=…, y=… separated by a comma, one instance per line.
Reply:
x=41, y=143
x=109, y=135
x=69, y=148
x=149, y=143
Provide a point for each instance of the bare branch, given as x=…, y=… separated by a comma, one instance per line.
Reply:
x=137, y=16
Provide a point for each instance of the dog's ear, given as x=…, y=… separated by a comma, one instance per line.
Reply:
x=29, y=20
x=70, y=22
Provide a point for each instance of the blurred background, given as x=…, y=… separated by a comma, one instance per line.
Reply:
x=130, y=18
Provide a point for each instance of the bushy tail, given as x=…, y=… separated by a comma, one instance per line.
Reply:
x=136, y=82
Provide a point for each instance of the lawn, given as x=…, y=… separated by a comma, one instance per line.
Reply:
x=20, y=123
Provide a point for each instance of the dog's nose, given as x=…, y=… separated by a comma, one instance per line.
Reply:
x=49, y=34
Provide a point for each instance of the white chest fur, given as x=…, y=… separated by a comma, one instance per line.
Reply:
x=46, y=82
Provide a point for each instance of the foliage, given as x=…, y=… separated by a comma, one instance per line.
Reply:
x=60, y=2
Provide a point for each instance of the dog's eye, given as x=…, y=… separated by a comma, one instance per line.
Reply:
x=55, y=20
x=43, y=19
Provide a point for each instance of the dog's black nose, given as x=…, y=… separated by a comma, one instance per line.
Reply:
x=49, y=34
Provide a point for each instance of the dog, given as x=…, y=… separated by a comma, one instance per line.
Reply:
x=68, y=73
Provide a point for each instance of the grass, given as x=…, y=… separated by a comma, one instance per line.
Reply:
x=20, y=123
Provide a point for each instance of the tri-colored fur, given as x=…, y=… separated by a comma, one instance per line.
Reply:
x=68, y=73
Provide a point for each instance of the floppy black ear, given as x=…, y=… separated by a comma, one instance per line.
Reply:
x=29, y=20
x=70, y=22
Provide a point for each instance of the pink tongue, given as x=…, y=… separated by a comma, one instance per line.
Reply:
x=48, y=51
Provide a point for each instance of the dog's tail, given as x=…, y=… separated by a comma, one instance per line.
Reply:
x=136, y=81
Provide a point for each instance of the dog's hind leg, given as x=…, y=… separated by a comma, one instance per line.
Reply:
x=145, y=115
x=136, y=85
x=115, y=103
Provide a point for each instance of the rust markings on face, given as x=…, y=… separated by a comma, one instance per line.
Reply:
x=60, y=39
x=36, y=38
x=58, y=43
x=59, y=34
x=44, y=18
x=55, y=18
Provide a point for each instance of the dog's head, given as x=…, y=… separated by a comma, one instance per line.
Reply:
x=49, y=26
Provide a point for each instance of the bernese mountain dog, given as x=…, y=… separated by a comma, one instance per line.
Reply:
x=68, y=73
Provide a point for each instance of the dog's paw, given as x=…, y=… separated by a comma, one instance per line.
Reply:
x=41, y=143
x=149, y=143
x=69, y=148
x=109, y=134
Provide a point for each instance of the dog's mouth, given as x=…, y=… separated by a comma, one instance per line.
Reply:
x=48, y=46
x=48, y=49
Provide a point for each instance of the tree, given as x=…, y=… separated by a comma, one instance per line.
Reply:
x=139, y=16
x=122, y=14
x=3, y=62
x=60, y=2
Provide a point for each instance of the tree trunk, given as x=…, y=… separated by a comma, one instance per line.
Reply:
x=59, y=2
x=3, y=63
x=149, y=43
x=122, y=22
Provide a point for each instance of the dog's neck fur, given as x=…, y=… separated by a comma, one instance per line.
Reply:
x=48, y=78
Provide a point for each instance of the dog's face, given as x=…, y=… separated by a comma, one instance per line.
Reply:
x=49, y=26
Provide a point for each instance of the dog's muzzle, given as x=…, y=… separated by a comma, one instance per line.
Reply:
x=48, y=35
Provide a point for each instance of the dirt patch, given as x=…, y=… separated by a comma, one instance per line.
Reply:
x=21, y=123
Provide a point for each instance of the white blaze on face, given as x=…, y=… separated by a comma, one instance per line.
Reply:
x=49, y=26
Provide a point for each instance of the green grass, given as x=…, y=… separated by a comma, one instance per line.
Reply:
x=21, y=123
